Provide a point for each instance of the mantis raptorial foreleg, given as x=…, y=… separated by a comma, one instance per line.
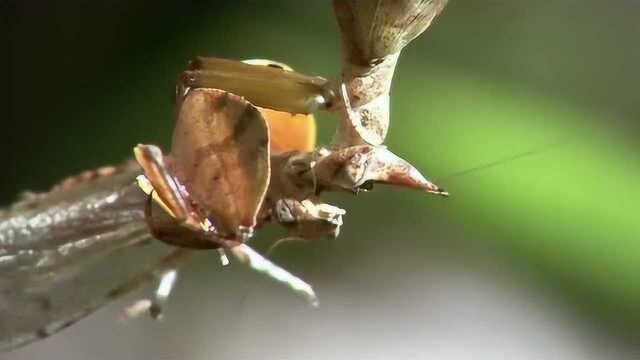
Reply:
x=308, y=220
x=241, y=252
x=151, y=160
x=265, y=86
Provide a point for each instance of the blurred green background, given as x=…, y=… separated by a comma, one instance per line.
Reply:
x=490, y=81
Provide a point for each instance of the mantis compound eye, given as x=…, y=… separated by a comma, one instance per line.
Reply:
x=284, y=213
x=366, y=186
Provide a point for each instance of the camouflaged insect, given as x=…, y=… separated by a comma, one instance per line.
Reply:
x=243, y=156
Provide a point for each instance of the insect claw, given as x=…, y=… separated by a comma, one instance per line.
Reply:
x=136, y=309
x=156, y=311
x=167, y=282
x=154, y=306
x=244, y=233
x=224, y=260
x=315, y=103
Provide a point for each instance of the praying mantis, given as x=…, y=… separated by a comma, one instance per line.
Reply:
x=243, y=156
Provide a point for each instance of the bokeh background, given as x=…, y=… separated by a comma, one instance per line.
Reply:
x=536, y=256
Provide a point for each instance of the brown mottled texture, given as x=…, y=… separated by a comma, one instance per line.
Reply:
x=220, y=154
x=358, y=167
x=373, y=35
x=373, y=29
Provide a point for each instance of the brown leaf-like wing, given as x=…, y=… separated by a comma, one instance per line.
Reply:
x=221, y=155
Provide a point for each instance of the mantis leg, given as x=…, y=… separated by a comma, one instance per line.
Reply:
x=307, y=220
x=151, y=160
x=165, y=273
x=271, y=87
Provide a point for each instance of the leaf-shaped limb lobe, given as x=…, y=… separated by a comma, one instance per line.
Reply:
x=220, y=153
